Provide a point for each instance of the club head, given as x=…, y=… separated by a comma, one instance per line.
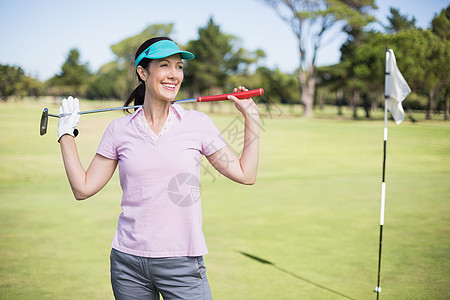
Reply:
x=44, y=121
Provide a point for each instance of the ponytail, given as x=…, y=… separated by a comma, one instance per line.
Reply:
x=138, y=95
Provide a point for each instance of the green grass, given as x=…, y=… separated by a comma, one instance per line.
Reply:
x=308, y=229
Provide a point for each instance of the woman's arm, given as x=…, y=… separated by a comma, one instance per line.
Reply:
x=84, y=184
x=243, y=169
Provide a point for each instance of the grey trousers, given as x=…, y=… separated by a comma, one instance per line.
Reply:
x=135, y=277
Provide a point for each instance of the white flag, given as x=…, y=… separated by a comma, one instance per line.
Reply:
x=396, y=88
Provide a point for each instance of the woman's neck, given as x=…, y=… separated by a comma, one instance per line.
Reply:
x=156, y=112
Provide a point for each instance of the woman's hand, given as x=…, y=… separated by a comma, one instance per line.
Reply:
x=69, y=117
x=247, y=106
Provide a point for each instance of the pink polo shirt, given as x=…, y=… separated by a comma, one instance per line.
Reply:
x=160, y=179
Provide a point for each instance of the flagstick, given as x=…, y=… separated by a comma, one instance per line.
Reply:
x=383, y=183
x=383, y=194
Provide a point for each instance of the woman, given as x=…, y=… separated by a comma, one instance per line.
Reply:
x=159, y=245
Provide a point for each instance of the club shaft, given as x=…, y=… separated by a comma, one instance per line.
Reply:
x=97, y=110
x=241, y=95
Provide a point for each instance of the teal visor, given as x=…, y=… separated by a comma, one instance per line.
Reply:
x=163, y=49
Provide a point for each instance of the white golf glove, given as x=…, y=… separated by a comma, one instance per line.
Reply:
x=70, y=107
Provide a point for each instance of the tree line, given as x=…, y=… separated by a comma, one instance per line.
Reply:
x=221, y=62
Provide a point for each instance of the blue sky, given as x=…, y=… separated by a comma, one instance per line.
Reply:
x=37, y=35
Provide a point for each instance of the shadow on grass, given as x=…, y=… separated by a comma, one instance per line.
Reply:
x=263, y=261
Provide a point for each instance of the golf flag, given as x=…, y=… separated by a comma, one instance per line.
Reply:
x=396, y=88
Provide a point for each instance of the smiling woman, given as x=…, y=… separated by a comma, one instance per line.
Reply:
x=167, y=75
x=159, y=244
x=155, y=48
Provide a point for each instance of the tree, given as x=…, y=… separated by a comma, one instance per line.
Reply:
x=109, y=82
x=9, y=79
x=28, y=86
x=426, y=59
x=421, y=56
x=73, y=78
x=283, y=88
x=360, y=70
x=310, y=20
x=14, y=82
x=334, y=78
x=399, y=22
x=218, y=56
x=356, y=14
x=357, y=90
x=440, y=26
x=211, y=49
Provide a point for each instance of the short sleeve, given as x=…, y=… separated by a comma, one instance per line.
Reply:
x=106, y=147
x=212, y=140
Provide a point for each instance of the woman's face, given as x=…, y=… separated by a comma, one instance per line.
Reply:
x=164, y=77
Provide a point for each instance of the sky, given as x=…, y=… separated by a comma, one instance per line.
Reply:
x=37, y=35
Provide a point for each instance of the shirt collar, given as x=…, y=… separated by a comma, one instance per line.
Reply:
x=175, y=108
x=178, y=109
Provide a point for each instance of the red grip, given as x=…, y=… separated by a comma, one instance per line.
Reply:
x=241, y=95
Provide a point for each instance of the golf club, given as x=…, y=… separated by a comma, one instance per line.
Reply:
x=241, y=95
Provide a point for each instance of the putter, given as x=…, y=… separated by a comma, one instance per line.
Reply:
x=241, y=95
